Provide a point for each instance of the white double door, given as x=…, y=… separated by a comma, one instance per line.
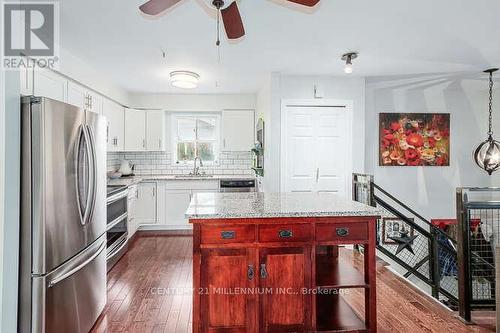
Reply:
x=315, y=150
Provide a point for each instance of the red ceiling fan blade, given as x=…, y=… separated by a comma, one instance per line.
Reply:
x=155, y=7
x=308, y=3
x=232, y=21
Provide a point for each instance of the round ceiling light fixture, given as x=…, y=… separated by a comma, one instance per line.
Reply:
x=487, y=154
x=184, y=79
x=348, y=57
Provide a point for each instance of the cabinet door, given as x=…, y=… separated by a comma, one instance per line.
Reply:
x=115, y=116
x=145, y=204
x=238, y=130
x=95, y=102
x=50, y=84
x=285, y=271
x=135, y=130
x=176, y=204
x=155, y=130
x=132, y=216
x=26, y=79
x=223, y=273
x=77, y=95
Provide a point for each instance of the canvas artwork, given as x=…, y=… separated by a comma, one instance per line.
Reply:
x=414, y=139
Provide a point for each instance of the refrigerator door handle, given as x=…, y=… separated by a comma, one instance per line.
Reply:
x=83, y=207
x=66, y=274
x=93, y=182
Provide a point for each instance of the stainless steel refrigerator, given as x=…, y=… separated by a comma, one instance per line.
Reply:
x=63, y=217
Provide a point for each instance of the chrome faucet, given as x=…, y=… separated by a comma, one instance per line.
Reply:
x=196, y=169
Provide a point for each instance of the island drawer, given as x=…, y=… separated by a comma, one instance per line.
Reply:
x=345, y=231
x=286, y=233
x=227, y=234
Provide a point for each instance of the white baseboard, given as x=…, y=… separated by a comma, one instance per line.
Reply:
x=162, y=227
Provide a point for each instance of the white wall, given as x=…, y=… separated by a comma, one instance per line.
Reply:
x=302, y=87
x=430, y=190
x=192, y=102
x=77, y=69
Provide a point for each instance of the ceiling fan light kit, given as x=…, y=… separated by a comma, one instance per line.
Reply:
x=184, y=79
x=487, y=154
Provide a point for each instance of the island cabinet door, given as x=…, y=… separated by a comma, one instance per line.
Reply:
x=228, y=290
x=283, y=275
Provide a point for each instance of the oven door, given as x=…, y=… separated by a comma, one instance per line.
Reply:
x=117, y=206
x=116, y=238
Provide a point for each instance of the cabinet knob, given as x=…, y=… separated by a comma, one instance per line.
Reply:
x=342, y=232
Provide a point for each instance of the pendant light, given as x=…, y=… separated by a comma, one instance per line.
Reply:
x=487, y=154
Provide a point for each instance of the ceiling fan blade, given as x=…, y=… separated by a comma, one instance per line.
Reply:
x=308, y=3
x=155, y=7
x=232, y=21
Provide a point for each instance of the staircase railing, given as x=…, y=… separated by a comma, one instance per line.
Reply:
x=411, y=241
x=478, y=213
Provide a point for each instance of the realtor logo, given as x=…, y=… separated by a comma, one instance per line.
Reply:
x=31, y=29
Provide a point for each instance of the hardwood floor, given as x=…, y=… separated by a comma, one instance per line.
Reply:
x=149, y=290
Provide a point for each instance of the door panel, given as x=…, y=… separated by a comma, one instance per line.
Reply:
x=284, y=307
x=146, y=203
x=115, y=116
x=300, y=157
x=58, y=230
x=155, y=130
x=223, y=273
x=74, y=295
x=316, y=149
x=97, y=130
x=238, y=127
x=135, y=130
x=176, y=204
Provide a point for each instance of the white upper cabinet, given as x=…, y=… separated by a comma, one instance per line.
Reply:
x=238, y=130
x=115, y=117
x=155, y=129
x=49, y=84
x=135, y=130
x=83, y=98
x=77, y=95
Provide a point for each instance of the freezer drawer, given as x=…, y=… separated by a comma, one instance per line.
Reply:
x=71, y=298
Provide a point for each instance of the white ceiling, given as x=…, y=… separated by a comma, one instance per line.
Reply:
x=393, y=37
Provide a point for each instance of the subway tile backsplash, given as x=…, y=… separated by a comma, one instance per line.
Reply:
x=160, y=163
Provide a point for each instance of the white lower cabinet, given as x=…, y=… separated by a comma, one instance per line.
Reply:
x=173, y=200
x=145, y=209
x=176, y=204
x=132, y=204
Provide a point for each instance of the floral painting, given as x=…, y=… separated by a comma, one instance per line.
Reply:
x=415, y=139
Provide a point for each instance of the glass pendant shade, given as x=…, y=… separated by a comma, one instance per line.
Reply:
x=487, y=155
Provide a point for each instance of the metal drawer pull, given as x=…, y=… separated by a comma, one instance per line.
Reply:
x=285, y=233
x=228, y=234
x=263, y=271
x=250, y=272
x=342, y=232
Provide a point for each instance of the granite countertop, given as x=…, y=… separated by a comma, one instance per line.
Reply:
x=129, y=181
x=261, y=205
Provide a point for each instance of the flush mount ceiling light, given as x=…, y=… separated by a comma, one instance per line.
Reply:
x=184, y=79
x=487, y=154
x=348, y=57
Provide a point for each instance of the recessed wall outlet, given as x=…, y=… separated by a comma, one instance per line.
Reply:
x=318, y=91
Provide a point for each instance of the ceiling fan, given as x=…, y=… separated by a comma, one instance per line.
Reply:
x=230, y=15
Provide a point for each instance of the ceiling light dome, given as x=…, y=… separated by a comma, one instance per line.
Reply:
x=184, y=79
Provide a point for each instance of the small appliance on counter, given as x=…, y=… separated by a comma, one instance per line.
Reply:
x=126, y=169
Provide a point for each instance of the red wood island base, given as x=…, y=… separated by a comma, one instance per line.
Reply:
x=279, y=274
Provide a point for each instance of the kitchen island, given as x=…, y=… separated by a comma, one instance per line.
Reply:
x=269, y=262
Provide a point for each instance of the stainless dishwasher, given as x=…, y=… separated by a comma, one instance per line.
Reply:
x=237, y=185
